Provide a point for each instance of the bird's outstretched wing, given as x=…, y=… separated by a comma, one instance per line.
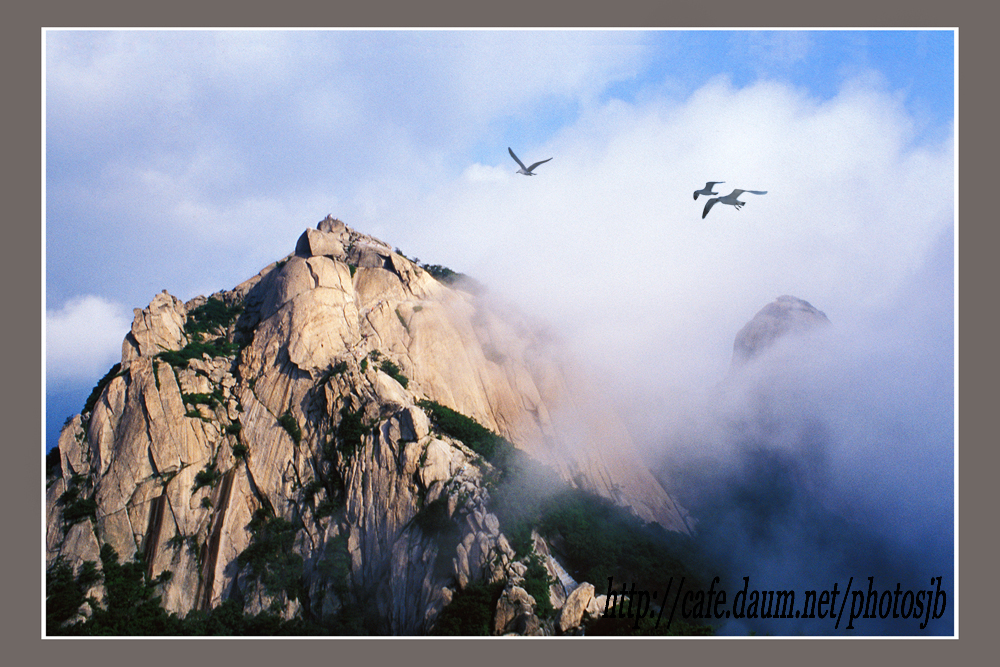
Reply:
x=516, y=159
x=707, y=190
x=532, y=167
x=708, y=206
x=755, y=192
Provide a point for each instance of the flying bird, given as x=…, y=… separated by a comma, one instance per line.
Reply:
x=525, y=170
x=731, y=199
x=707, y=190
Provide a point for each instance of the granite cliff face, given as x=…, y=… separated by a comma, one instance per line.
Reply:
x=290, y=414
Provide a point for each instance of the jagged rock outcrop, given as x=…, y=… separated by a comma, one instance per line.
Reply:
x=284, y=416
x=577, y=604
x=515, y=614
x=158, y=327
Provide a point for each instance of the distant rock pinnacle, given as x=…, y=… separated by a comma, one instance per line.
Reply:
x=783, y=316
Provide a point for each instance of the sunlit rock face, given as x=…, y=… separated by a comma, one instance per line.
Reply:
x=293, y=403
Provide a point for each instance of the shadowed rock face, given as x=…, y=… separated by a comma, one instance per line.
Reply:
x=287, y=408
x=786, y=315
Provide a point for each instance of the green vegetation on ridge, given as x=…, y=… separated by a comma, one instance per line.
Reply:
x=211, y=316
x=95, y=394
x=220, y=347
x=474, y=435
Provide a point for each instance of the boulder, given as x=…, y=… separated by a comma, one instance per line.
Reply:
x=156, y=328
x=571, y=614
x=515, y=612
x=316, y=243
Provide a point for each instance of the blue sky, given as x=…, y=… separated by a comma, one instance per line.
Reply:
x=189, y=160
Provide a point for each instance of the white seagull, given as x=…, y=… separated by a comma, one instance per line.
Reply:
x=707, y=190
x=525, y=170
x=731, y=199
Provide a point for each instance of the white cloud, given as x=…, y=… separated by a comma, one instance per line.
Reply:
x=83, y=339
x=481, y=173
x=508, y=71
x=378, y=129
x=607, y=242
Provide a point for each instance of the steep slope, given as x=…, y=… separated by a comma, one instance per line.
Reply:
x=269, y=443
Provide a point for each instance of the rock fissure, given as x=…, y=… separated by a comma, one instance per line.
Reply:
x=153, y=531
x=212, y=544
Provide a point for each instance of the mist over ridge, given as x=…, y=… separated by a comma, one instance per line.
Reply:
x=830, y=456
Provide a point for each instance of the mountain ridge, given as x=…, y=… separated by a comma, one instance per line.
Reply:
x=296, y=397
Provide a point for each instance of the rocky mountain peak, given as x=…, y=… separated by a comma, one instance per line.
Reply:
x=289, y=431
x=786, y=315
